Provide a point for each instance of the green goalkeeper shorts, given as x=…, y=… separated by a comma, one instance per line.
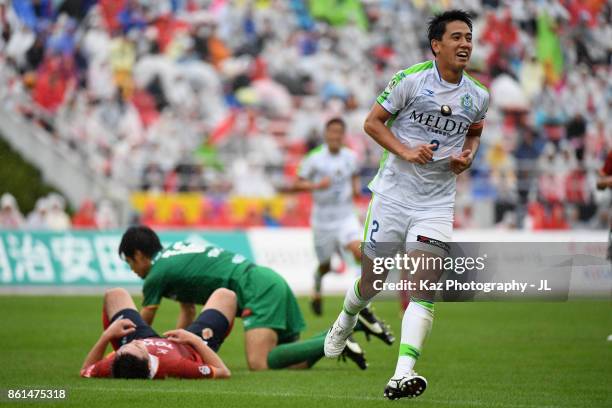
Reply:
x=269, y=302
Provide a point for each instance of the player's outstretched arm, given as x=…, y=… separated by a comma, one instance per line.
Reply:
x=208, y=356
x=117, y=329
x=303, y=185
x=375, y=127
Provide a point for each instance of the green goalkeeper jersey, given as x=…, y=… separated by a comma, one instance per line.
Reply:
x=190, y=273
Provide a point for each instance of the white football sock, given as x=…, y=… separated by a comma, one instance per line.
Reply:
x=416, y=325
x=353, y=304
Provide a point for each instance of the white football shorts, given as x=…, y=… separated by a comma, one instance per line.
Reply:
x=390, y=228
x=328, y=241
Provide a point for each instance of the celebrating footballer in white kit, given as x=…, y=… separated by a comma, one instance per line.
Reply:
x=429, y=120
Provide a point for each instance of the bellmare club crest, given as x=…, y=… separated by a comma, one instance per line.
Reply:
x=467, y=102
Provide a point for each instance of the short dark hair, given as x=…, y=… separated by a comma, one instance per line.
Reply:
x=437, y=24
x=127, y=365
x=139, y=238
x=337, y=120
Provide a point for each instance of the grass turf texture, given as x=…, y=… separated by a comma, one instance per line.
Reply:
x=478, y=355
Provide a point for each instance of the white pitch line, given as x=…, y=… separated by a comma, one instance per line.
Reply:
x=299, y=395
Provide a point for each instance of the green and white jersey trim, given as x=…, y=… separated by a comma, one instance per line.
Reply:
x=399, y=76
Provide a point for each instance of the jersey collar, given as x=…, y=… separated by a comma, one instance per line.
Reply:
x=156, y=257
x=153, y=365
x=443, y=82
x=329, y=153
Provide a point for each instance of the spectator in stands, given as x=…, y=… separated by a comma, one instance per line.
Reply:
x=138, y=89
x=56, y=218
x=10, y=216
x=575, y=131
x=106, y=216
x=85, y=217
x=54, y=78
x=37, y=218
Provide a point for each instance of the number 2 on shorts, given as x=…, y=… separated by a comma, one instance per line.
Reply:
x=374, y=229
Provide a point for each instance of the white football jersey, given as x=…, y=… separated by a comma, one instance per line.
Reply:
x=334, y=204
x=419, y=100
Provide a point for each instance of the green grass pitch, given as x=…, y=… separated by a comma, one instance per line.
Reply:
x=478, y=355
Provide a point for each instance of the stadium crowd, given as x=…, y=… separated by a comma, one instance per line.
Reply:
x=225, y=97
x=50, y=213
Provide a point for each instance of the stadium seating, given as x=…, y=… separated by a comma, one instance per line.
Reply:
x=224, y=98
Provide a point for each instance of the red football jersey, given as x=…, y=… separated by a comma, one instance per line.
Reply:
x=173, y=360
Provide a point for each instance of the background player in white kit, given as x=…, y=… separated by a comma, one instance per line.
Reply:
x=330, y=172
x=429, y=120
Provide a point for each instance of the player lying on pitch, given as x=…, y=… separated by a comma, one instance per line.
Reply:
x=141, y=353
x=190, y=273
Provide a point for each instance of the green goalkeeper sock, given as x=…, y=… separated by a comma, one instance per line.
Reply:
x=286, y=355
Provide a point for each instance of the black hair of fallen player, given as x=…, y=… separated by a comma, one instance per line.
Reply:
x=129, y=366
x=437, y=24
x=339, y=121
x=141, y=238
